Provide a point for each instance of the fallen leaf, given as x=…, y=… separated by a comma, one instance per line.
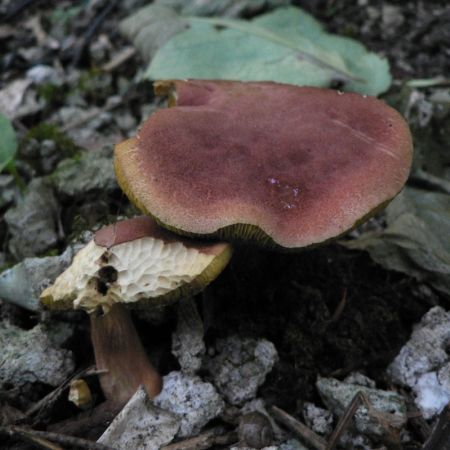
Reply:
x=286, y=45
x=8, y=142
x=415, y=241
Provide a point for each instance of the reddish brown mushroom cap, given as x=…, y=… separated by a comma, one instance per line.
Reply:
x=301, y=165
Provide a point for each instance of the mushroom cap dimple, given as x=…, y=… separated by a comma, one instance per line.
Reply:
x=293, y=166
x=136, y=262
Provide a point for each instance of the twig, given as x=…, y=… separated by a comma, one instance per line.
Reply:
x=344, y=421
x=440, y=436
x=302, y=431
x=386, y=421
x=339, y=309
x=45, y=438
x=49, y=400
x=90, y=32
x=419, y=425
x=124, y=55
x=205, y=440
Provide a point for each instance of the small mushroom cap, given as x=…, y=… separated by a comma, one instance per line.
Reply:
x=136, y=261
x=280, y=164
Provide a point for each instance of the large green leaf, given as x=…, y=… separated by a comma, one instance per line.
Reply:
x=8, y=142
x=225, y=8
x=286, y=45
x=416, y=240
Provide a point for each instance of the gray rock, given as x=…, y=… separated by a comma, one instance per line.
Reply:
x=41, y=74
x=318, y=419
x=9, y=191
x=357, y=442
x=32, y=222
x=391, y=18
x=337, y=396
x=432, y=396
x=192, y=400
x=258, y=405
x=29, y=356
x=426, y=349
x=187, y=339
x=141, y=425
x=423, y=364
x=292, y=444
x=360, y=380
x=23, y=283
x=241, y=366
x=92, y=172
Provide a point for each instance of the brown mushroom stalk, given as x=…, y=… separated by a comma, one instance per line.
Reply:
x=133, y=262
x=120, y=357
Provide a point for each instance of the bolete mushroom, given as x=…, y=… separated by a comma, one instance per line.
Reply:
x=278, y=164
x=128, y=263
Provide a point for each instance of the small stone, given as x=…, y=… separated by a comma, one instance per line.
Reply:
x=9, y=190
x=392, y=19
x=32, y=222
x=187, y=340
x=360, y=380
x=258, y=405
x=41, y=74
x=337, y=396
x=292, y=444
x=431, y=396
x=426, y=349
x=23, y=283
x=318, y=419
x=141, y=425
x=30, y=356
x=241, y=366
x=423, y=364
x=192, y=400
x=255, y=430
x=125, y=121
x=92, y=172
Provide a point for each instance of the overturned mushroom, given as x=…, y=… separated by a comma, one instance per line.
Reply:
x=132, y=262
x=277, y=164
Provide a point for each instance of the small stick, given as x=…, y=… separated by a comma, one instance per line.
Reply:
x=306, y=435
x=92, y=29
x=124, y=55
x=344, y=421
x=45, y=438
x=440, y=436
x=204, y=441
x=339, y=309
x=53, y=396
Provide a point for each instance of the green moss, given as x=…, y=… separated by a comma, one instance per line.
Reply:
x=52, y=132
x=51, y=93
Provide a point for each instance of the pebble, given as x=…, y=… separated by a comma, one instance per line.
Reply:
x=240, y=367
x=424, y=361
x=141, y=425
x=192, y=400
x=29, y=356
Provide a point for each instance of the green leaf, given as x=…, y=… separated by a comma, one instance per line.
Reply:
x=286, y=45
x=8, y=142
x=416, y=240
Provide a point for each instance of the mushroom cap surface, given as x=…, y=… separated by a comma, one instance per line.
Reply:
x=278, y=164
x=136, y=262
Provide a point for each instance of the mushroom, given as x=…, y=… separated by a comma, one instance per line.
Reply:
x=132, y=262
x=276, y=164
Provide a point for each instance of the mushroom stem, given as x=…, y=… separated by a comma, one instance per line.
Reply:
x=118, y=350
